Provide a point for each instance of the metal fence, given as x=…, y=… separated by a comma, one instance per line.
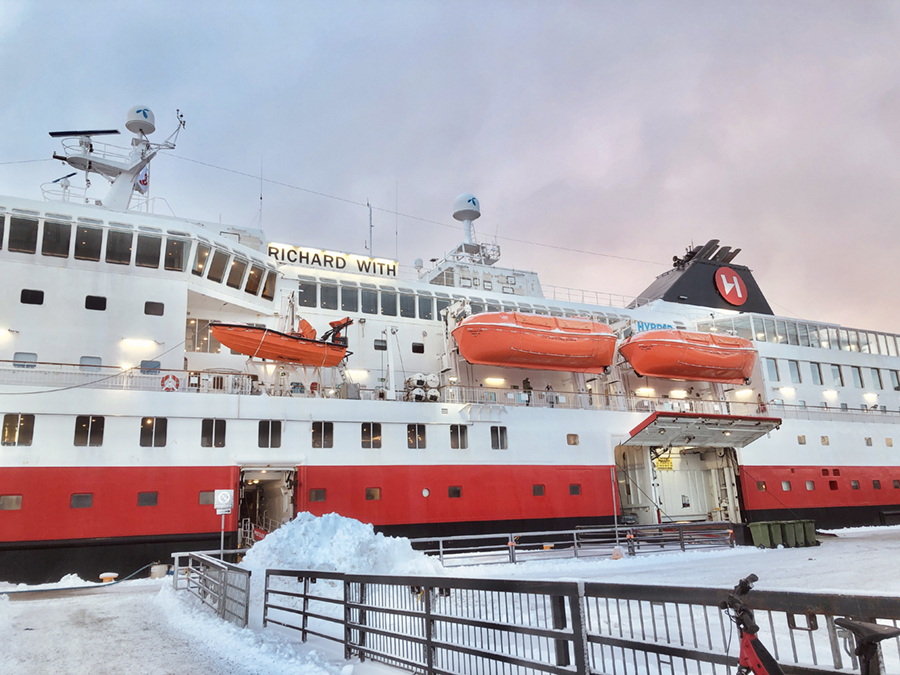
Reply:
x=584, y=542
x=222, y=586
x=461, y=626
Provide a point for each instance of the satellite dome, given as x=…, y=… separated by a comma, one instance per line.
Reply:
x=466, y=207
x=141, y=120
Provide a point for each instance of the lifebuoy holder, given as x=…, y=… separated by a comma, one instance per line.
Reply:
x=170, y=383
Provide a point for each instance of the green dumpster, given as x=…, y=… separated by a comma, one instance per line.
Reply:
x=760, y=533
x=790, y=533
x=809, y=532
x=776, y=533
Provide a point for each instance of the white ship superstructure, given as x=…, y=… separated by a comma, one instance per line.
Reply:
x=122, y=413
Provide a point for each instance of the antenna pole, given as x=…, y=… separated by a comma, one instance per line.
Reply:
x=260, y=191
x=397, y=220
x=371, y=254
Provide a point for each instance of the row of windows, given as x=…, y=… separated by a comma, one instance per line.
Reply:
x=370, y=436
x=859, y=376
x=88, y=364
x=146, y=250
x=804, y=334
x=453, y=492
x=32, y=296
x=85, y=500
x=824, y=440
x=832, y=485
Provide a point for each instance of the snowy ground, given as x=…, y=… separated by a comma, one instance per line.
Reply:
x=145, y=627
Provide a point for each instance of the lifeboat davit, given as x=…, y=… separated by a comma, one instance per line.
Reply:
x=514, y=340
x=301, y=348
x=684, y=355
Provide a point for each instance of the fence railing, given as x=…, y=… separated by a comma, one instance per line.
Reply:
x=221, y=586
x=456, y=626
x=517, y=547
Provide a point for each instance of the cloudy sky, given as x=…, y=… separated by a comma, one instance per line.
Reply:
x=591, y=131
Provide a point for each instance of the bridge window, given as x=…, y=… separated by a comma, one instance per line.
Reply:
x=22, y=235
x=17, y=429
x=218, y=266
x=459, y=436
x=349, y=299
x=154, y=308
x=415, y=436
x=498, y=438
x=269, y=288
x=89, y=431
x=236, y=274
x=147, y=498
x=10, y=502
x=388, y=303
x=148, y=250
x=212, y=433
x=269, y=434
x=373, y=494
x=440, y=305
x=55, y=241
x=408, y=306
x=177, y=251
x=95, y=302
x=323, y=434
x=153, y=432
x=306, y=294
x=254, y=280
x=426, y=308
x=317, y=495
x=369, y=301
x=329, y=297
x=88, y=242
x=200, y=260
x=81, y=501
x=118, y=247
x=30, y=296
x=370, y=435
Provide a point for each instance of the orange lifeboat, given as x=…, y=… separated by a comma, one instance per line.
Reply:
x=683, y=355
x=264, y=343
x=514, y=340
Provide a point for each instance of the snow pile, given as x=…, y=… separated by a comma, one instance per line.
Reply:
x=68, y=581
x=334, y=543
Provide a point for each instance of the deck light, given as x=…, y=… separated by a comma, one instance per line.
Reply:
x=494, y=381
x=645, y=391
x=138, y=342
x=678, y=393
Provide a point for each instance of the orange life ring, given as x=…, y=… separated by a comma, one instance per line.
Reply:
x=170, y=383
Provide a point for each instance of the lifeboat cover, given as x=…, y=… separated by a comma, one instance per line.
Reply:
x=695, y=430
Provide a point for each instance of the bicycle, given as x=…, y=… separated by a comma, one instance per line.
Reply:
x=755, y=658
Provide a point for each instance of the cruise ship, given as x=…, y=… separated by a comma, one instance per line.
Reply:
x=466, y=397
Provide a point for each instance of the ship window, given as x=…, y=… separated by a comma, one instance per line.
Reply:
x=329, y=297
x=876, y=484
x=418, y=348
x=370, y=435
x=836, y=375
x=854, y=484
x=813, y=335
x=89, y=431
x=426, y=308
x=154, y=308
x=454, y=492
x=816, y=371
x=177, y=252
x=150, y=367
x=868, y=441
x=772, y=369
x=31, y=296
x=55, y=241
x=415, y=436
x=892, y=346
x=845, y=339
x=24, y=360
x=148, y=249
x=254, y=280
x=792, y=336
x=572, y=439
x=785, y=486
x=118, y=247
x=895, y=380
x=537, y=490
x=889, y=442
x=804, y=334
x=575, y=489
x=408, y=306
x=95, y=302
x=349, y=299
x=236, y=274
x=498, y=438
x=212, y=433
x=22, y=235
x=81, y=501
x=14, y=502
x=2, y=224
x=306, y=294
x=459, y=436
x=207, y=497
x=491, y=307
x=441, y=305
x=153, y=432
x=760, y=486
x=876, y=378
x=90, y=364
x=388, y=303
x=218, y=266
x=857, y=376
x=17, y=429
x=897, y=484
x=801, y=439
x=381, y=345
x=373, y=494
x=465, y=283
x=147, y=498
x=369, y=301
x=200, y=260
x=824, y=440
x=810, y=485
x=323, y=434
x=88, y=242
x=795, y=371
x=832, y=485
x=269, y=433
x=317, y=495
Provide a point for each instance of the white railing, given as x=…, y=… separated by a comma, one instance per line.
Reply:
x=587, y=297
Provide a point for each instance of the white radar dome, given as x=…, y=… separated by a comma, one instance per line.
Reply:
x=141, y=120
x=466, y=207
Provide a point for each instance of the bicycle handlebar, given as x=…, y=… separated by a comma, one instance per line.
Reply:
x=743, y=614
